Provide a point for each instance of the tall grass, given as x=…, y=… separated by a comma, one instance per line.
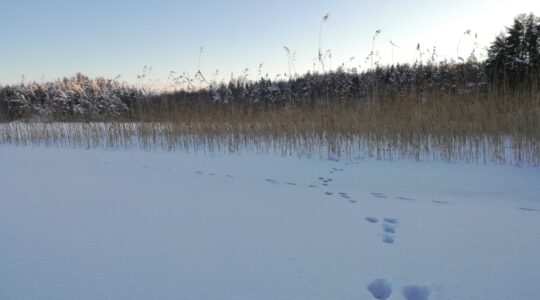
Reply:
x=499, y=129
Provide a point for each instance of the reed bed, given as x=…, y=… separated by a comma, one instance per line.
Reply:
x=499, y=129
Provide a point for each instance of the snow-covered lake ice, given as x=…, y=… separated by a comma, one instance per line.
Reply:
x=104, y=224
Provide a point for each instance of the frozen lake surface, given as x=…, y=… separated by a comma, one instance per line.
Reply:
x=102, y=224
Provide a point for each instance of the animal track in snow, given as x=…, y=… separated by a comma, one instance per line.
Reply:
x=527, y=209
x=325, y=180
x=199, y=172
x=389, y=239
x=380, y=289
x=389, y=229
x=405, y=198
x=440, y=202
x=391, y=220
x=335, y=170
x=372, y=220
x=415, y=292
x=379, y=195
x=344, y=195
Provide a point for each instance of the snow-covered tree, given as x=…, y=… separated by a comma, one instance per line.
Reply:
x=514, y=56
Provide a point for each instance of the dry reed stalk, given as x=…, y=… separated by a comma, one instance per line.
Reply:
x=500, y=129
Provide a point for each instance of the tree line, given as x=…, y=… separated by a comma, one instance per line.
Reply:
x=512, y=66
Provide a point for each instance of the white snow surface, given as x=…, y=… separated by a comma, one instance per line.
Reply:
x=129, y=224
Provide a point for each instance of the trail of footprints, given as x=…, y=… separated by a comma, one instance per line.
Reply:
x=326, y=182
x=323, y=182
x=199, y=172
x=389, y=228
x=382, y=289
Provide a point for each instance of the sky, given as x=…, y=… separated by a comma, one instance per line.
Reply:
x=48, y=39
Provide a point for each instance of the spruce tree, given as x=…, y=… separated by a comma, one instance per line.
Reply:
x=514, y=57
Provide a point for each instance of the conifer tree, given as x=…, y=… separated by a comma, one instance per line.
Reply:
x=514, y=57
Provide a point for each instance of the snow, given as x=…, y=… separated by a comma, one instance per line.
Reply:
x=106, y=224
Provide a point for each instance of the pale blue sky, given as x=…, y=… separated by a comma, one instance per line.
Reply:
x=55, y=38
